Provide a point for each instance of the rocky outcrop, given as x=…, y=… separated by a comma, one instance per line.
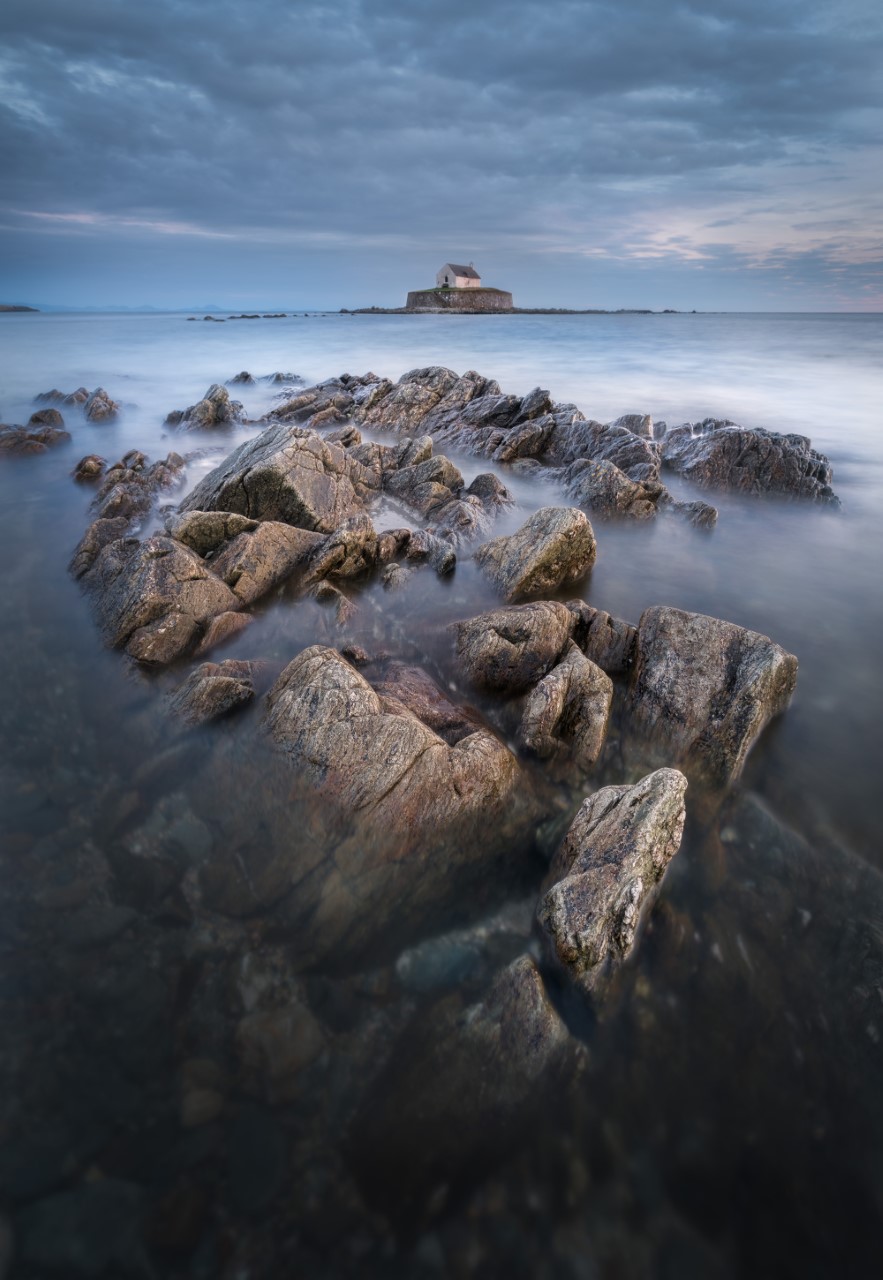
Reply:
x=606, y=874
x=702, y=690
x=130, y=486
x=609, y=642
x=510, y=649
x=568, y=711
x=724, y=456
x=256, y=561
x=554, y=548
x=155, y=598
x=89, y=469
x=46, y=418
x=289, y=474
x=213, y=690
x=603, y=488
x=99, y=407
x=207, y=531
x=215, y=409
x=21, y=441
x=412, y=816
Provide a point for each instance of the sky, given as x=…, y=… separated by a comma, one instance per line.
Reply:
x=717, y=155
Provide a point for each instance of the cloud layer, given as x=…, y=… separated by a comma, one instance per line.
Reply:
x=569, y=141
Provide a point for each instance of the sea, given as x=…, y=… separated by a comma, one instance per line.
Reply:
x=727, y=1119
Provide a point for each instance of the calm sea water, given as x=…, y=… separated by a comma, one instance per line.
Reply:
x=78, y=726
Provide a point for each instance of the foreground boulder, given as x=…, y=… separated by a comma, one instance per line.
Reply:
x=702, y=690
x=607, y=872
x=286, y=473
x=155, y=598
x=510, y=649
x=568, y=711
x=554, y=548
x=724, y=456
x=410, y=815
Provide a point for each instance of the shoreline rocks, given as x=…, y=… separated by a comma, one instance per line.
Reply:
x=554, y=548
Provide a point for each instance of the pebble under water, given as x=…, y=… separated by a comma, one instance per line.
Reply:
x=188, y=1092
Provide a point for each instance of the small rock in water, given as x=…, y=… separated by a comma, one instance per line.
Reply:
x=554, y=548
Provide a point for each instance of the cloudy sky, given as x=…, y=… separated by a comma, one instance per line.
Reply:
x=719, y=154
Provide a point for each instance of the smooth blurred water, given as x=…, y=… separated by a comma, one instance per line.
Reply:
x=733, y=1105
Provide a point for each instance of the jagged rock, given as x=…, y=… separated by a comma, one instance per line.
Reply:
x=725, y=456
x=256, y=561
x=243, y=379
x=607, y=872
x=410, y=688
x=640, y=424
x=344, y=608
x=425, y=546
x=554, y=548
x=155, y=598
x=350, y=551
x=99, y=534
x=426, y=486
x=574, y=438
x=393, y=543
x=89, y=468
x=286, y=473
x=490, y=490
x=609, y=642
x=458, y=1081
x=603, y=488
x=215, y=409
x=219, y=629
x=99, y=407
x=699, y=514
x=510, y=649
x=702, y=690
x=130, y=486
x=347, y=437
x=205, y=531
x=213, y=690
x=46, y=418
x=418, y=816
x=569, y=709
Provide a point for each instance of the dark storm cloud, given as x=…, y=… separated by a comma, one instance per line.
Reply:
x=635, y=129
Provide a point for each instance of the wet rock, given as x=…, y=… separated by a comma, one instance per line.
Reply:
x=155, y=598
x=750, y=461
x=555, y=547
x=404, y=406
x=21, y=441
x=287, y=473
x=392, y=543
x=213, y=690
x=99, y=407
x=205, y=531
x=99, y=535
x=699, y=514
x=641, y=424
x=427, y=486
x=255, y=562
x=603, y=488
x=490, y=490
x=438, y=552
x=346, y=437
x=419, y=815
x=575, y=438
x=46, y=418
x=219, y=629
x=568, y=710
x=412, y=689
x=89, y=468
x=274, y=1045
x=606, y=873
x=702, y=690
x=510, y=649
x=395, y=576
x=609, y=642
x=243, y=379
x=344, y=608
x=92, y=1230
x=215, y=409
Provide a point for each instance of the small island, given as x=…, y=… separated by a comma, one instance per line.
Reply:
x=6, y=307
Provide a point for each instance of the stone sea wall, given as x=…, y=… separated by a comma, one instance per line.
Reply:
x=459, y=300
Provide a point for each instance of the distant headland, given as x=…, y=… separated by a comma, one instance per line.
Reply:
x=5, y=307
x=458, y=290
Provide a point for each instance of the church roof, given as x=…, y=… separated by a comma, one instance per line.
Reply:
x=469, y=272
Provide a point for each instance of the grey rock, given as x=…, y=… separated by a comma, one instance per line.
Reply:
x=607, y=872
x=607, y=641
x=215, y=409
x=749, y=461
x=395, y=576
x=603, y=488
x=405, y=688
x=21, y=441
x=213, y=690
x=99, y=535
x=243, y=379
x=438, y=552
x=574, y=437
x=555, y=547
x=640, y=424
x=351, y=551
x=155, y=598
x=287, y=473
x=46, y=418
x=702, y=690
x=205, y=531
x=510, y=649
x=568, y=710
x=219, y=629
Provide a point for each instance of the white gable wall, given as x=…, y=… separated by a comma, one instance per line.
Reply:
x=446, y=277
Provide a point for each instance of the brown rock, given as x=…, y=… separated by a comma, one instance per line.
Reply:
x=554, y=548
x=510, y=649
x=568, y=710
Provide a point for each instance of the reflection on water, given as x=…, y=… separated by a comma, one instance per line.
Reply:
x=185, y=1095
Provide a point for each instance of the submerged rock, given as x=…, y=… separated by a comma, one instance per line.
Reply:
x=418, y=815
x=213, y=690
x=554, y=548
x=568, y=710
x=607, y=872
x=702, y=690
x=510, y=649
x=725, y=456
